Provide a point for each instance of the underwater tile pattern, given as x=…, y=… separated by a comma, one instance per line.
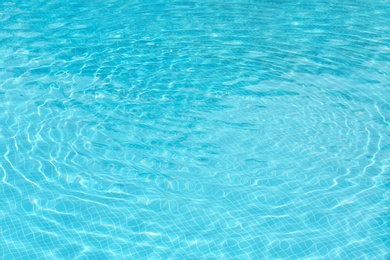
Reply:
x=192, y=130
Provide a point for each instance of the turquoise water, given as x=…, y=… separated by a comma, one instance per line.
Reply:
x=185, y=130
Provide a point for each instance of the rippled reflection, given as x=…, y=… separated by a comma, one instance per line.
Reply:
x=194, y=130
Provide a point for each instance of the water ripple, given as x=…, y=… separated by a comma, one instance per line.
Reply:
x=194, y=130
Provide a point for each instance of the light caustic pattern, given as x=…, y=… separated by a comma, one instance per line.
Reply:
x=188, y=130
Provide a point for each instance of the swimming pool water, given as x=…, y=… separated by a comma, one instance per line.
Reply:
x=192, y=130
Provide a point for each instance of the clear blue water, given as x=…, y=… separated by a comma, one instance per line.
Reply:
x=220, y=130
